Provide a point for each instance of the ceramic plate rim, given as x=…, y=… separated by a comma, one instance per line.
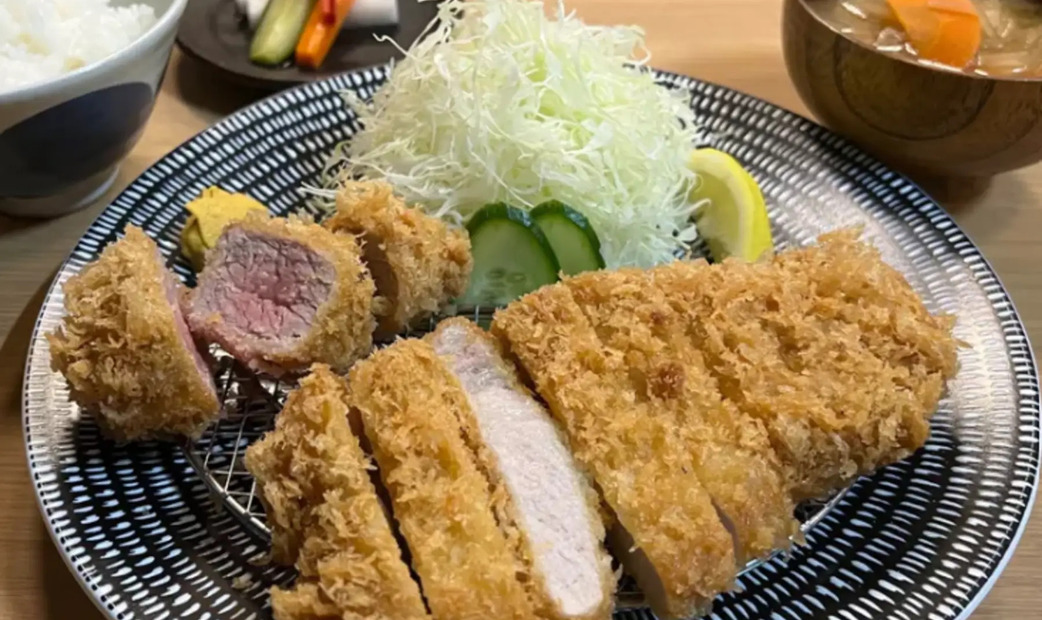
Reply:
x=953, y=232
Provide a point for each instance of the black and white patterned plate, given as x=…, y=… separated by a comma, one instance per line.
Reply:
x=148, y=537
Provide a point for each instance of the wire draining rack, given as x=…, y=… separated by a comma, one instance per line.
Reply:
x=249, y=406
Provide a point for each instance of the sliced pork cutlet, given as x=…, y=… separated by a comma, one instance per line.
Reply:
x=418, y=263
x=280, y=294
x=125, y=350
x=549, y=502
x=668, y=534
x=409, y=403
x=324, y=513
x=730, y=451
x=828, y=345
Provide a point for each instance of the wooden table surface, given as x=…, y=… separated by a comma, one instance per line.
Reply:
x=732, y=42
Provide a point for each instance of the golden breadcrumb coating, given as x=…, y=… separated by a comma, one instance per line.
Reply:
x=305, y=601
x=505, y=509
x=828, y=345
x=730, y=451
x=322, y=507
x=642, y=469
x=125, y=350
x=418, y=262
x=341, y=331
x=408, y=402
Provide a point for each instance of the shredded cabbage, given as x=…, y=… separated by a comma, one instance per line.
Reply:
x=503, y=103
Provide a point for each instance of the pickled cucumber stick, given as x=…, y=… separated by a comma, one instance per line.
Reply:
x=279, y=29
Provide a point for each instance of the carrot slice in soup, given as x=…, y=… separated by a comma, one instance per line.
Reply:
x=944, y=31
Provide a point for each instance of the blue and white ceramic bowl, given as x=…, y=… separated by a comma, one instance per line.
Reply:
x=61, y=141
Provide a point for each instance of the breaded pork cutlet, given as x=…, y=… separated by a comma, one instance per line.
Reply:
x=730, y=451
x=548, y=502
x=668, y=534
x=408, y=401
x=125, y=350
x=827, y=345
x=418, y=263
x=325, y=516
x=280, y=294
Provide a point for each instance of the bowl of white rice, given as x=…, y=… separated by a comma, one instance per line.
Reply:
x=78, y=79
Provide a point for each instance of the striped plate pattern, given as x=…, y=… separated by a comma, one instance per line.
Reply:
x=925, y=538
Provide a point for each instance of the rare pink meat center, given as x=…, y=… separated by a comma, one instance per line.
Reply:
x=267, y=287
x=173, y=295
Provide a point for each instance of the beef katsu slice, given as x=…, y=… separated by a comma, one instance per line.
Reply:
x=417, y=262
x=324, y=513
x=548, y=501
x=668, y=535
x=409, y=405
x=730, y=451
x=125, y=350
x=828, y=346
x=280, y=294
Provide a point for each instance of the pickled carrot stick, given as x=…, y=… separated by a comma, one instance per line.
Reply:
x=944, y=31
x=321, y=31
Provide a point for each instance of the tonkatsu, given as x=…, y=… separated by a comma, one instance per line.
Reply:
x=667, y=532
x=280, y=294
x=677, y=413
x=408, y=403
x=773, y=382
x=325, y=517
x=125, y=350
x=548, y=500
x=419, y=264
x=730, y=451
x=827, y=345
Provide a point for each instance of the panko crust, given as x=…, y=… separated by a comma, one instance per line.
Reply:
x=730, y=451
x=313, y=479
x=123, y=349
x=827, y=345
x=503, y=504
x=430, y=263
x=407, y=400
x=641, y=468
x=342, y=329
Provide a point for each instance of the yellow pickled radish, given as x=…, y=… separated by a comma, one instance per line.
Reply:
x=209, y=215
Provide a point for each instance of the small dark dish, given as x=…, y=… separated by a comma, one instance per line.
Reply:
x=213, y=32
x=923, y=119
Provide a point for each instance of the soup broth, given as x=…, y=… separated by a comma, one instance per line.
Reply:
x=1010, y=32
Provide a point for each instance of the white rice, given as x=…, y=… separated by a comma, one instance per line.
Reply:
x=44, y=39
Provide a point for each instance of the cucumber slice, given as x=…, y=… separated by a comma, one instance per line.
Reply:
x=279, y=29
x=512, y=256
x=576, y=245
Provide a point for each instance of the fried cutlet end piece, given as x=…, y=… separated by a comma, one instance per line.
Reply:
x=125, y=350
x=281, y=294
x=681, y=553
x=730, y=452
x=828, y=346
x=548, y=502
x=324, y=513
x=408, y=403
x=419, y=264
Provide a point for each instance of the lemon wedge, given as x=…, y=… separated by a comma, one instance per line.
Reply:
x=732, y=217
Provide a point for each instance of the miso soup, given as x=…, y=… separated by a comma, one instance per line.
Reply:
x=994, y=37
